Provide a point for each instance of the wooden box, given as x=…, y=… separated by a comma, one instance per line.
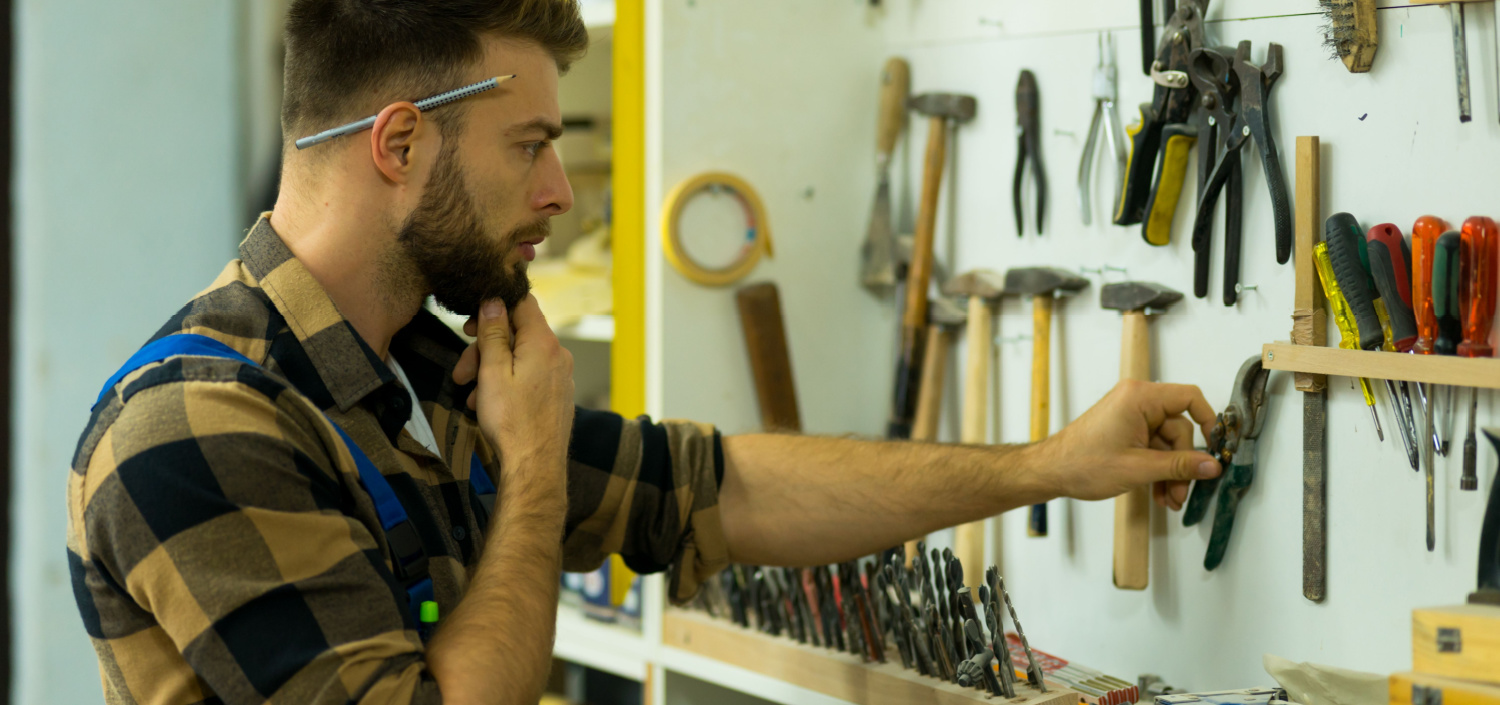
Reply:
x=1423, y=689
x=1462, y=641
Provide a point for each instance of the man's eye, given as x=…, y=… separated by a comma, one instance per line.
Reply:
x=533, y=147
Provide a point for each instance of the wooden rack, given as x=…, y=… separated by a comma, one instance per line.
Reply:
x=1433, y=369
x=837, y=675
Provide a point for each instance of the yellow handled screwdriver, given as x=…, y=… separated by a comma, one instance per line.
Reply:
x=1348, y=328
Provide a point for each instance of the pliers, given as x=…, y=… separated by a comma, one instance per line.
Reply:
x=1160, y=142
x=1252, y=119
x=1212, y=72
x=1232, y=442
x=1106, y=120
x=1029, y=136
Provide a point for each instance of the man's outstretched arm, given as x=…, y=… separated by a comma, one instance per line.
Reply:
x=803, y=500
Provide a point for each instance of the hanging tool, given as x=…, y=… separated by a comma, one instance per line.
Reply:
x=1390, y=267
x=1029, y=149
x=1352, y=33
x=1481, y=251
x=1232, y=442
x=1345, y=282
x=983, y=288
x=770, y=361
x=1344, y=318
x=946, y=318
x=1043, y=284
x=1212, y=71
x=1460, y=55
x=941, y=109
x=878, y=258
x=1310, y=327
x=1034, y=674
x=1107, y=121
x=1142, y=197
x=1446, y=282
x=1148, y=35
x=1424, y=237
x=1135, y=301
x=1489, y=541
x=1253, y=119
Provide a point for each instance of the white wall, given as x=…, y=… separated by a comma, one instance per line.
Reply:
x=783, y=93
x=128, y=201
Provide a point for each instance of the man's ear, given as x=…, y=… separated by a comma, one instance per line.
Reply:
x=396, y=132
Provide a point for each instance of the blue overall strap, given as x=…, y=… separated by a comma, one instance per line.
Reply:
x=406, y=547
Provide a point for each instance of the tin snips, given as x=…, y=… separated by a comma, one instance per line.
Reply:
x=1232, y=443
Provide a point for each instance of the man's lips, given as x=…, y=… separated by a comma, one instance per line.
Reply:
x=528, y=248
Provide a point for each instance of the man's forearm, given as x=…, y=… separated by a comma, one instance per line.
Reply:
x=803, y=500
x=496, y=646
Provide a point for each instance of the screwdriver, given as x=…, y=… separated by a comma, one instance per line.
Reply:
x=1481, y=259
x=1348, y=329
x=1390, y=266
x=1446, y=283
x=1424, y=237
x=1341, y=234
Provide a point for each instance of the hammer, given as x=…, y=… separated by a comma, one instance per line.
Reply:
x=940, y=108
x=946, y=318
x=982, y=288
x=1043, y=284
x=1135, y=300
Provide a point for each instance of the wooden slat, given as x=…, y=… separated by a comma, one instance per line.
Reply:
x=1435, y=369
x=837, y=675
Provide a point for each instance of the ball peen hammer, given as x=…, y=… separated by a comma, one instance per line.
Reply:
x=983, y=288
x=1135, y=300
x=940, y=108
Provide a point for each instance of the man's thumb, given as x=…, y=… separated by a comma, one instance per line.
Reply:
x=494, y=334
x=1187, y=465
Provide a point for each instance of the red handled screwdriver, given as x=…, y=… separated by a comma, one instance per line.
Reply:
x=1480, y=255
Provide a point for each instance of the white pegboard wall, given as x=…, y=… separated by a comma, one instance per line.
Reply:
x=1393, y=150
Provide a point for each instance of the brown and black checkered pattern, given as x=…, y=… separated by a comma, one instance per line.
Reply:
x=221, y=546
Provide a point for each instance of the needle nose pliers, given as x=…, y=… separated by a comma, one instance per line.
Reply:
x=1029, y=136
x=1106, y=121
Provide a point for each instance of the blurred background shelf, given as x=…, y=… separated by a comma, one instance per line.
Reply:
x=593, y=328
x=605, y=647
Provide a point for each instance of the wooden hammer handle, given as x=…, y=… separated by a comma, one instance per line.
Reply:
x=1133, y=509
x=770, y=361
x=930, y=400
x=1041, y=391
x=968, y=540
x=895, y=87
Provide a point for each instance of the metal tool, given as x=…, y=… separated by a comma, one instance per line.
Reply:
x=878, y=260
x=1425, y=234
x=983, y=289
x=1488, y=592
x=1135, y=301
x=1034, y=674
x=941, y=109
x=1481, y=267
x=1460, y=55
x=1153, y=152
x=1390, y=266
x=1043, y=284
x=1252, y=119
x=1233, y=443
x=1310, y=327
x=1106, y=121
x=1446, y=281
x=1212, y=72
x=1029, y=150
x=1345, y=320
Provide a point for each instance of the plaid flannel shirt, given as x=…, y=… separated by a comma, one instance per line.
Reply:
x=223, y=551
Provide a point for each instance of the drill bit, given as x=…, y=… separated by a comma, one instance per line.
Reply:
x=1033, y=671
x=1461, y=60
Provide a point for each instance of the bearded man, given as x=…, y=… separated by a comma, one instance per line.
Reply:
x=255, y=519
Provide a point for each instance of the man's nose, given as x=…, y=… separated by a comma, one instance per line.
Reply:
x=553, y=195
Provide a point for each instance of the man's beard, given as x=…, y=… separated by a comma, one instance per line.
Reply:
x=446, y=241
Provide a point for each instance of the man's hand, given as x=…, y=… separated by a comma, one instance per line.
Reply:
x=1136, y=435
x=525, y=393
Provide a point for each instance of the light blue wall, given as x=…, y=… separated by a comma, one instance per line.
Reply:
x=128, y=201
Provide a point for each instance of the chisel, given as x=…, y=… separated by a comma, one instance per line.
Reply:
x=1481, y=259
x=878, y=271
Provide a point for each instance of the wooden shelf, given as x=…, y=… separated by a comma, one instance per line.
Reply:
x=836, y=675
x=1433, y=369
x=605, y=647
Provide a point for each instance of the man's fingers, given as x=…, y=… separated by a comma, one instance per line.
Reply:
x=1177, y=465
x=471, y=326
x=494, y=336
x=1174, y=399
x=530, y=324
x=1176, y=432
x=468, y=363
x=1177, y=494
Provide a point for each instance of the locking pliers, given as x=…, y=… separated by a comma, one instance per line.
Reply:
x=1232, y=443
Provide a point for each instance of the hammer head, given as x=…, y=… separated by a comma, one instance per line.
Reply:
x=943, y=312
x=981, y=283
x=954, y=106
x=1035, y=281
x=1137, y=296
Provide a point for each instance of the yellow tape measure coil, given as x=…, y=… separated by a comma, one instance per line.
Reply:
x=757, y=233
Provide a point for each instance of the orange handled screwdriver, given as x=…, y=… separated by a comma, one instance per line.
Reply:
x=1480, y=258
x=1424, y=237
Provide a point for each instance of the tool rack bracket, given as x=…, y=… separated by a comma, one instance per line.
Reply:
x=1433, y=369
x=835, y=674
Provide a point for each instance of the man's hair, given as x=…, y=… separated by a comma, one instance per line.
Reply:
x=345, y=56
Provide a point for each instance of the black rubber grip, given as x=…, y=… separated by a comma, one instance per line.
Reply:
x=1036, y=522
x=1390, y=264
x=1144, y=145
x=1445, y=270
x=1341, y=232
